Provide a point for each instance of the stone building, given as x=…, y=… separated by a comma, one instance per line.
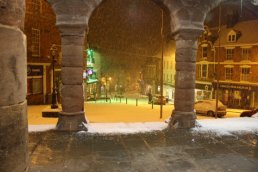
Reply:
x=233, y=60
x=169, y=70
x=41, y=34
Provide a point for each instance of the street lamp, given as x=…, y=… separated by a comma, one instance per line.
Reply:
x=162, y=59
x=53, y=51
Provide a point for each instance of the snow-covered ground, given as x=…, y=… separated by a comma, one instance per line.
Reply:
x=111, y=128
x=227, y=126
x=125, y=128
x=224, y=126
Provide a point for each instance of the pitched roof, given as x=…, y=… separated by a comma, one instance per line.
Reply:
x=248, y=33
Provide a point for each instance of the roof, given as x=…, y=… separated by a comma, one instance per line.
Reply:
x=248, y=30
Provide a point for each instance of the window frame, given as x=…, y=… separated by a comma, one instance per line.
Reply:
x=205, y=52
x=229, y=75
x=201, y=71
x=35, y=42
x=232, y=37
x=31, y=80
x=246, y=52
x=230, y=56
x=245, y=76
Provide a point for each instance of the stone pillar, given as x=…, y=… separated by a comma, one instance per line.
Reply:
x=72, y=115
x=183, y=115
x=72, y=20
x=13, y=86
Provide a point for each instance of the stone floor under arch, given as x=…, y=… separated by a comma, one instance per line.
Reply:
x=164, y=151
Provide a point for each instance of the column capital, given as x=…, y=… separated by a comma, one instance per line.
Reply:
x=75, y=12
x=72, y=29
x=187, y=34
x=188, y=14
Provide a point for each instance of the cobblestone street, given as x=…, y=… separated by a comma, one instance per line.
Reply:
x=164, y=151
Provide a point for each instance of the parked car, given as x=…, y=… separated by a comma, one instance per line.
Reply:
x=249, y=113
x=158, y=100
x=208, y=107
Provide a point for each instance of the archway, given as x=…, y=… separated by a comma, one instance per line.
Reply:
x=186, y=25
x=72, y=20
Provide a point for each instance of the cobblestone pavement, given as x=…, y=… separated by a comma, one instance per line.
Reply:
x=166, y=151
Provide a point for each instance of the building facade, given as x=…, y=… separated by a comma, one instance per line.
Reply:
x=205, y=68
x=149, y=82
x=41, y=34
x=169, y=70
x=231, y=64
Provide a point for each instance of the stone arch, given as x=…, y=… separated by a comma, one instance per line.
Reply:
x=72, y=23
x=187, y=19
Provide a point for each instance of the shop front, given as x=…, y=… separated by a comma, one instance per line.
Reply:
x=238, y=95
x=169, y=92
x=35, y=82
x=203, y=91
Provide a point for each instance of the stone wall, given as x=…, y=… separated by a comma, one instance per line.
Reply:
x=13, y=105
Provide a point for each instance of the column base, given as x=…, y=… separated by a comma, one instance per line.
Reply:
x=182, y=120
x=71, y=122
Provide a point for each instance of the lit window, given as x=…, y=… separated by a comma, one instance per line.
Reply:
x=35, y=42
x=204, y=71
x=229, y=54
x=245, y=74
x=232, y=37
x=35, y=86
x=246, y=53
x=228, y=73
x=204, y=52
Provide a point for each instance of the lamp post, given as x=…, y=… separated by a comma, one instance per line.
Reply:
x=53, y=51
x=162, y=59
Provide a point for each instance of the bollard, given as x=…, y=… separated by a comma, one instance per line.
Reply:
x=152, y=104
x=126, y=100
x=136, y=102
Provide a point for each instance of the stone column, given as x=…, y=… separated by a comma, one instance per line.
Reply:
x=72, y=20
x=13, y=86
x=72, y=115
x=183, y=115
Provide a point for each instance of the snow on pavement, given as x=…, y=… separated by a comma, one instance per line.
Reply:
x=41, y=128
x=224, y=126
x=125, y=128
x=111, y=128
